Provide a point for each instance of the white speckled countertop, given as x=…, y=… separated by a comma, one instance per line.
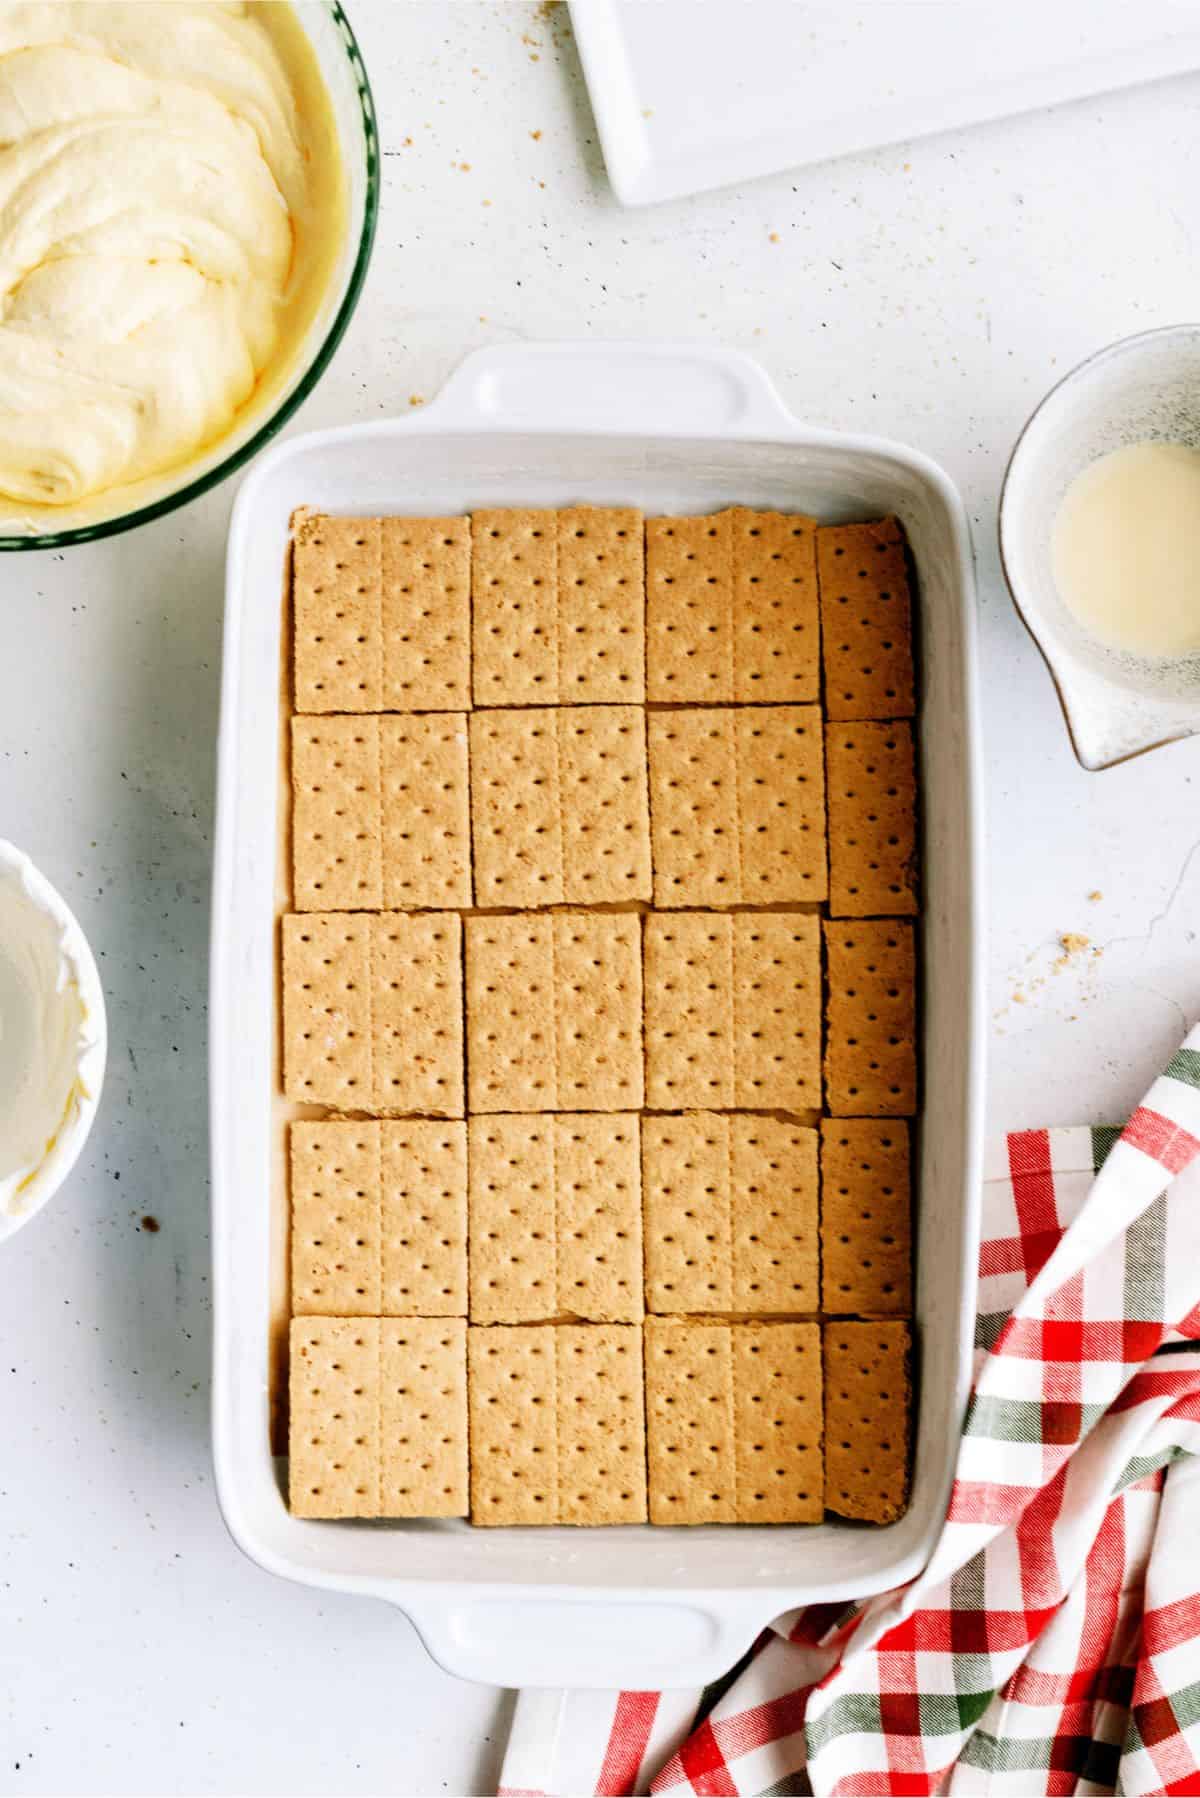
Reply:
x=931, y=292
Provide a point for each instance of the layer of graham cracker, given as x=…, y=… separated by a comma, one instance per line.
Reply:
x=425, y=614
x=734, y=1429
x=379, y=1217
x=730, y=1205
x=776, y=634
x=601, y=611
x=872, y=819
x=373, y=1011
x=868, y=1403
x=866, y=1211
x=870, y=1043
x=337, y=648
x=554, y=1012
x=559, y=806
x=739, y=1016
x=777, y=1411
x=866, y=620
x=512, y=1390
x=689, y=609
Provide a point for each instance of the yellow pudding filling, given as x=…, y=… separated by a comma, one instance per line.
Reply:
x=172, y=201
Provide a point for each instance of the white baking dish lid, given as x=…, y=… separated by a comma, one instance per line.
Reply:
x=669, y=428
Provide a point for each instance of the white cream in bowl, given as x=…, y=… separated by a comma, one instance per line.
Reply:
x=52, y=1040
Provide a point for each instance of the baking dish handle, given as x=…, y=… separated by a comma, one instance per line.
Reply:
x=691, y=390
x=590, y=1643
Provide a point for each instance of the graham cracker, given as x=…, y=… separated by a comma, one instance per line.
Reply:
x=516, y=810
x=689, y=1027
x=423, y=1187
x=694, y=808
x=780, y=803
x=689, y=609
x=336, y=818
x=872, y=820
x=866, y=621
x=690, y=1450
x=514, y=606
x=333, y=1439
x=777, y=1011
x=423, y=1417
x=870, y=1051
x=417, y=1007
x=336, y=581
x=776, y=624
x=327, y=1056
x=777, y=1422
x=598, y=1011
x=598, y=1217
x=774, y=1222
x=601, y=606
x=605, y=807
x=601, y=1424
x=512, y=1235
x=868, y=1401
x=866, y=1230
x=686, y=1197
x=425, y=811
x=512, y=1403
x=511, y=1022
x=426, y=614
x=335, y=1185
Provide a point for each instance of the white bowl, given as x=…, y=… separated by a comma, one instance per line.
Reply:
x=1141, y=388
x=80, y=1096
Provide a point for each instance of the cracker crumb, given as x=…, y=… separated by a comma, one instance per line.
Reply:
x=1096, y=896
x=536, y=136
x=416, y=399
x=773, y=237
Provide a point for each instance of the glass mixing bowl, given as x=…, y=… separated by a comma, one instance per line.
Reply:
x=121, y=508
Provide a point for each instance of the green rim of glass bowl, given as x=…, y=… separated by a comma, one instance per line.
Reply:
x=126, y=521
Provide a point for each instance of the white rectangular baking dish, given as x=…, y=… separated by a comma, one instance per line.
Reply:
x=669, y=429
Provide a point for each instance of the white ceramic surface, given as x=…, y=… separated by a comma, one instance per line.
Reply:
x=81, y=1106
x=670, y=427
x=1146, y=387
x=694, y=94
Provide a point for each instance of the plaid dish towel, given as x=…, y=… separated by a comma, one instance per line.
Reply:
x=1052, y=1645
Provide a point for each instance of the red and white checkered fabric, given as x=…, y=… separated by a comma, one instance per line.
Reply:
x=1052, y=1645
